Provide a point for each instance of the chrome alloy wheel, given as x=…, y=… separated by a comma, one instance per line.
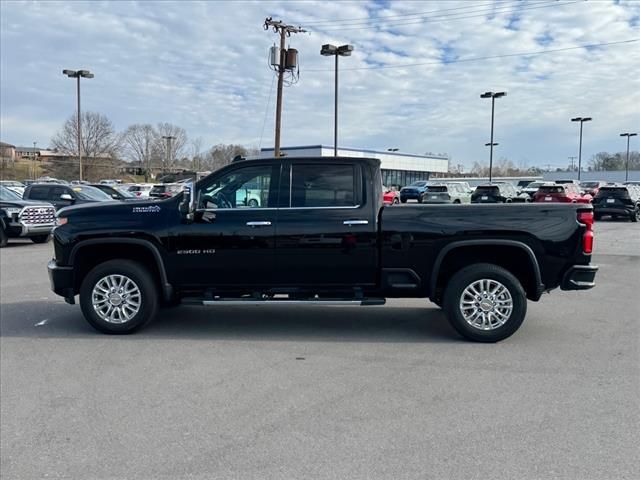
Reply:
x=486, y=304
x=116, y=298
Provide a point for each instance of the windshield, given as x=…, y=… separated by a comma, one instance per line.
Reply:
x=488, y=189
x=535, y=185
x=552, y=189
x=8, y=195
x=590, y=184
x=618, y=192
x=159, y=189
x=90, y=193
x=124, y=192
x=418, y=184
x=436, y=188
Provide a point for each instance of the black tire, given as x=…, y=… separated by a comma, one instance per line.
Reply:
x=3, y=237
x=597, y=216
x=40, y=238
x=403, y=200
x=635, y=215
x=395, y=201
x=466, y=277
x=142, y=279
x=253, y=203
x=420, y=199
x=456, y=202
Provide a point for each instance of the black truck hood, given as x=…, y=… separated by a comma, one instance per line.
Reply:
x=117, y=212
x=22, y=203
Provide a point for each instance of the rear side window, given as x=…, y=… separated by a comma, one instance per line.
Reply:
x=55, y=192
x=39, y=192
x=159, y=189
x=552, y=189
x=323, y=186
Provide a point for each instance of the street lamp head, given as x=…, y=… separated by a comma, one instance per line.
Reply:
x=345, y=50
x=486, y=95
x=587, y=119
x=328, y=50
x=491, y=144
x=70, y=73
x=576, y=119
x=500, y=94
x=628, y=134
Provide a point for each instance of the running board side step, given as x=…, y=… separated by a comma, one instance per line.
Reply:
x=252, y=301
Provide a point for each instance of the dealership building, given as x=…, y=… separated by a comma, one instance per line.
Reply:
x=398, y=169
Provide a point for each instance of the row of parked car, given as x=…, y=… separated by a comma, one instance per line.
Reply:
x=608, y=199
x=29, y=210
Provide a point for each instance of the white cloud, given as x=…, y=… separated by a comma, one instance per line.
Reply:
x=203, y=66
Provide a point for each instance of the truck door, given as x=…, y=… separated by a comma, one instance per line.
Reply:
x=231, y=241
x=326, y=233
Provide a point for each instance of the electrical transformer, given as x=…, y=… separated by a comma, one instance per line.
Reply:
x=291, y=59
x=274, y=56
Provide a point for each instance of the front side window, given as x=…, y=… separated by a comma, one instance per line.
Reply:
x=323, y=186
x=41, y=192
x=246, y=187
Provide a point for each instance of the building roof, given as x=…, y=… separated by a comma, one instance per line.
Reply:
x=364, y=150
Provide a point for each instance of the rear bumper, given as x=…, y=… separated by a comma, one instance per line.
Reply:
x=61, y=280
x=410, y=195
x=579, y=277
x=617, y=210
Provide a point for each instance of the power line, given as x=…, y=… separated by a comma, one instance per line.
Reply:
x=451, y=16
x=384, y=17
x=489, y=57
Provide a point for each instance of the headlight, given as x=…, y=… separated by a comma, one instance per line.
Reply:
x=61, y=221
x=12, y=211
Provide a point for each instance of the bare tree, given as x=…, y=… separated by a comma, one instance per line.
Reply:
x=196, y=153
x=221, y=155
x=100, y=144
x=138, y=141
x=178, y=144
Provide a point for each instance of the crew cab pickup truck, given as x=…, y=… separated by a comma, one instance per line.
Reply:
x=319, y=235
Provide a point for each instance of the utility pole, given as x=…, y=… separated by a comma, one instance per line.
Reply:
x=168, y=138
x=573, y=168
x=285, y=31
x=34, y=159
x=628, y=135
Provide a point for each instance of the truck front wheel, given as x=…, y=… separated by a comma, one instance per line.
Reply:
x=118, y=297
x=485, y=303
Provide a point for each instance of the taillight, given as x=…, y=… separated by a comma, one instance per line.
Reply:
x=586, y=219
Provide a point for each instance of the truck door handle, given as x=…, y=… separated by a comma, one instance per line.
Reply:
x=259, y=224
x=355, y=222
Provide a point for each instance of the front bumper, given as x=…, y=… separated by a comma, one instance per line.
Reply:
x=579, y=277
x=61, y=280
x=31, y=230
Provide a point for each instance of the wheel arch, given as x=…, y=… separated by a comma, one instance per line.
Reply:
x=88, y=253
x=488, y=251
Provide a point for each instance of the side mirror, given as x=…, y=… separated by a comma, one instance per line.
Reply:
x=66, y=196
x=187, y=207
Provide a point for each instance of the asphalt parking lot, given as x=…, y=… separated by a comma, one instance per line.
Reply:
x=322, y=392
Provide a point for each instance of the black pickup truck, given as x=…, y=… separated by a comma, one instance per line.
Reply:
x=314, y=230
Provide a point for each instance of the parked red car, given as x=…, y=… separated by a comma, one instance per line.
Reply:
x=390, y=196
x=592, y=188
x=569, y=193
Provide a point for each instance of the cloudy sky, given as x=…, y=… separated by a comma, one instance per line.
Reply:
x=413, y=81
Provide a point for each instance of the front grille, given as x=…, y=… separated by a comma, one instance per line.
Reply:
x=38, y=215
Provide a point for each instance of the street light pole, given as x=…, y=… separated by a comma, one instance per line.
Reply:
x=34, y=160
x=581, y=120
x=77, y=74
x=628, y=135
x=491, y=144
x=341, y=51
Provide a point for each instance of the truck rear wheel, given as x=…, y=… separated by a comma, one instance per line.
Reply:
x=485, y=303
x=118, y=297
